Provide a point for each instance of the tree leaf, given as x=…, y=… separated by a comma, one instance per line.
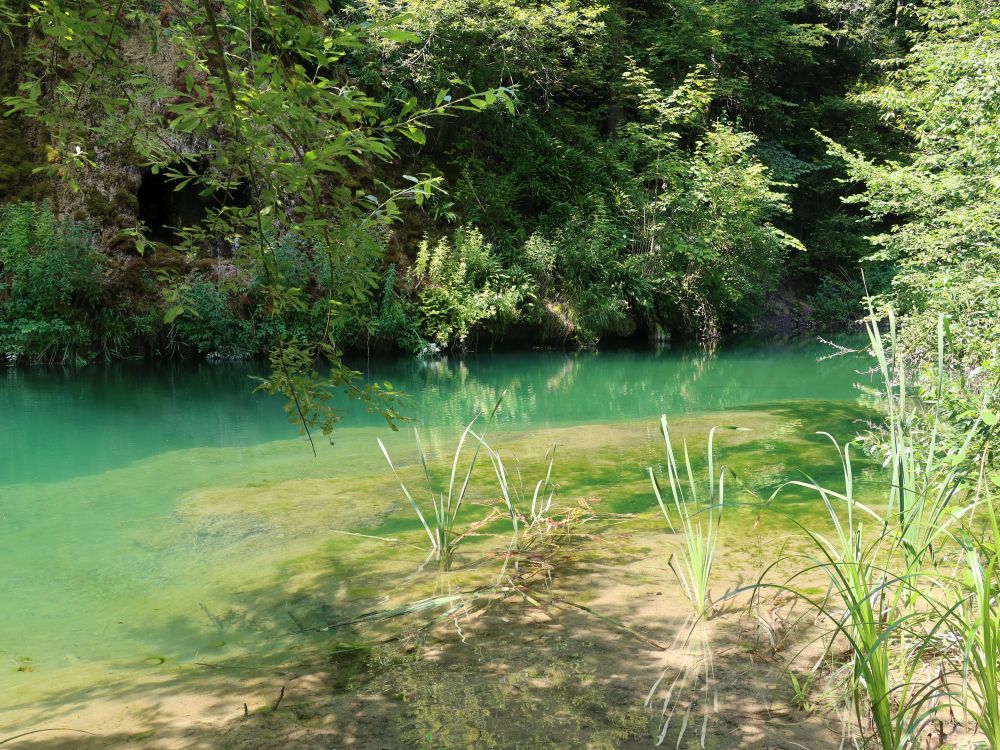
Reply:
x=171, y=314
x=400, y=36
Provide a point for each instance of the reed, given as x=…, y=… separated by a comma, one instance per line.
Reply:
x=697, y=519
x=525, y=514
x=880, y=563
x=871, y=608
x=977, y=623
x=925, y=480
x=444, y=502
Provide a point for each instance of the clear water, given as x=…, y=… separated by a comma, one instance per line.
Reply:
x=157, y=517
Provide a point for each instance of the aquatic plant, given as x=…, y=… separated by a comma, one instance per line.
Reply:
x=924, y=479
x=522, y=513
x=868, y=610
x=979, y=626
x=446, y=502
x=696, y=678
x=976, y=622
x=887, y=597
x=699, y=522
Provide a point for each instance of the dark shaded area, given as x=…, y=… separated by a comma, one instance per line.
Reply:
x=18, y=155
x=164, y=206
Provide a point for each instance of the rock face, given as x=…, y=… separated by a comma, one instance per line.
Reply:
x=18, y=155
x=113, y=199
x=119, y=191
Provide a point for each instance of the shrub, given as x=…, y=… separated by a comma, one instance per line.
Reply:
x=210, y=325
x=50, y=288
x=394, y=320
x=837, y=301
x=461, y=287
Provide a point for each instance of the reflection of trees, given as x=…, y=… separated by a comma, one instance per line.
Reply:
x=563, y=378
x=546, y=389
x=82, y=421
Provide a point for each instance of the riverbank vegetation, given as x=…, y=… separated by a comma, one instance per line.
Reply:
x=450, y=175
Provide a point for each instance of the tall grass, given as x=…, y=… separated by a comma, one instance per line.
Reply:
x=885, y=641
x=698, y=520
x=888, y=596
x=976, y=621
x=922, y=487
x=979, y=625
x=930, y=498
x=445, y=502
x=524, y=514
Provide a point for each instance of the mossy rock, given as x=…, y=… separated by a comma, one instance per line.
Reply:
x=123, y=242
x=165, y=257
x=126, y=200
x=100, y=208
x=204, y=264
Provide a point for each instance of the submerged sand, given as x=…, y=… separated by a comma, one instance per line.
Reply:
x=256, y=566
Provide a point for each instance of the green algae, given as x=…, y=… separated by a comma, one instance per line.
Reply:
x=263, y=520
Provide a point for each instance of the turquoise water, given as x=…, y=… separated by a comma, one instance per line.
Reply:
x=57, y=424
x=158, y=516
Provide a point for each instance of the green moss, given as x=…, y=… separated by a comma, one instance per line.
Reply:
x=123, y=242
x=126, y=200
x=162, y=256
x=16, y=163
x=98, y=206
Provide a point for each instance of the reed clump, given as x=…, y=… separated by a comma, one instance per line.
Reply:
x=912, y=576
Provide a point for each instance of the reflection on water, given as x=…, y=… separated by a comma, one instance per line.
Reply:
x=56, y=424
x=549, y=389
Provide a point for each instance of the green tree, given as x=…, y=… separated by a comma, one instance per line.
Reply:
x=941, y=199
x=261, y=106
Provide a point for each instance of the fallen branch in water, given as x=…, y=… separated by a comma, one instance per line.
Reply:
x=39, y=731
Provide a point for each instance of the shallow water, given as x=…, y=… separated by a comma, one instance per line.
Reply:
x=157, y=517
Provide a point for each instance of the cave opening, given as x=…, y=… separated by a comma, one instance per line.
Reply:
x=164, y=208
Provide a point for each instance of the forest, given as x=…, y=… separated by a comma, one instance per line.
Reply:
x=450, y=175
x=287, y=189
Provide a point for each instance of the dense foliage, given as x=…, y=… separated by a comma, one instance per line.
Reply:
x=939, y=201
x=57, y=303
x=636, y=187
x=300, y=179
x=942, y=197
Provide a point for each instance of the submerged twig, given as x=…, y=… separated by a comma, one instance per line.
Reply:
x=39, y=731
x=611, y=621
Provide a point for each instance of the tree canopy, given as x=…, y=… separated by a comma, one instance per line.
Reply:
x=300, y=179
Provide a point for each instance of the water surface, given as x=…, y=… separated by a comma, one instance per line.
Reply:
x=153, y=517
